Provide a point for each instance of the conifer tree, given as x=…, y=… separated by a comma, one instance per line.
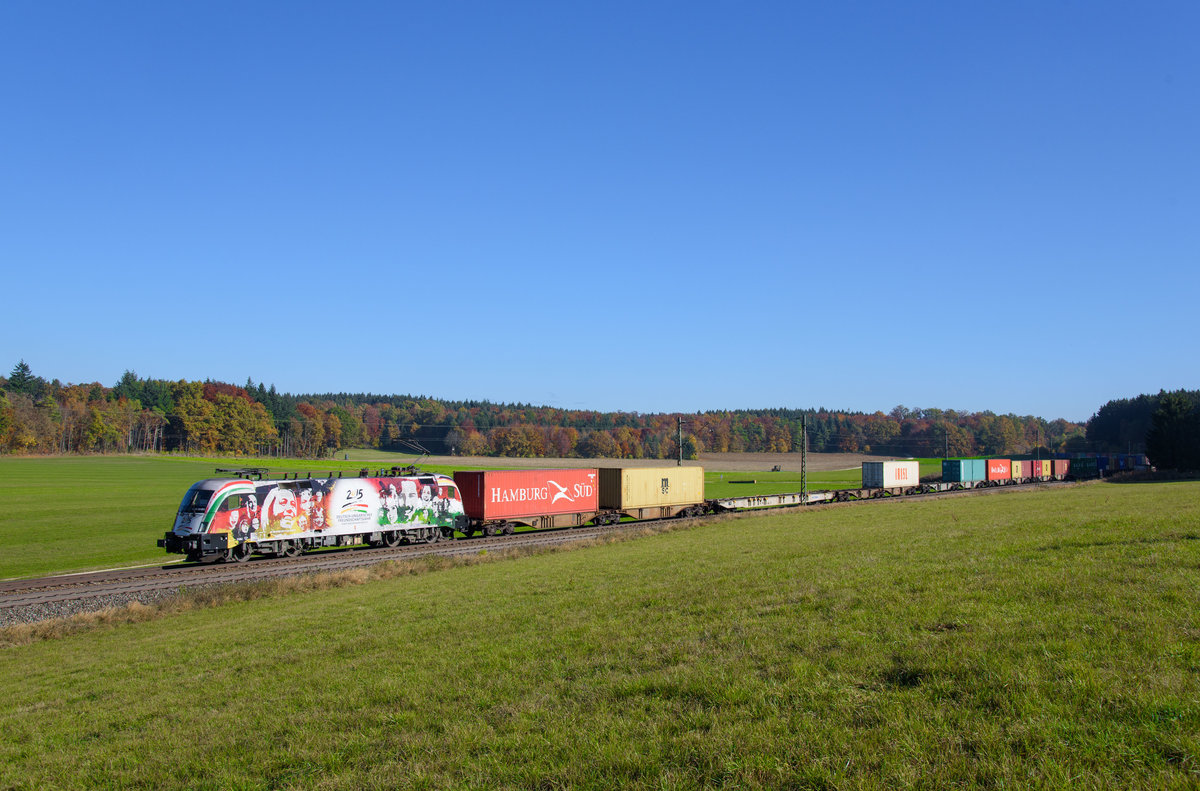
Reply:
x=21, y=379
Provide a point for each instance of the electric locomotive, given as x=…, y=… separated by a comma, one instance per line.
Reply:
x=232, y=519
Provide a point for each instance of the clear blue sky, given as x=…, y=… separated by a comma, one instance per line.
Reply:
x=640, y=206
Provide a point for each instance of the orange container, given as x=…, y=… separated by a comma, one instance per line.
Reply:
x=999, y=469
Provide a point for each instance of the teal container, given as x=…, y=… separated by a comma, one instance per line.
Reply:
x=963, y=470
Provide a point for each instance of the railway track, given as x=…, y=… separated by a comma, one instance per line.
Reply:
x=92, y=591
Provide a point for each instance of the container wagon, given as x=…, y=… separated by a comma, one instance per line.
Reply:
x=890, y=474
x=652, y=492
x=1087, y=467
x=497, y=501
x=999, y=470
x=963, y=470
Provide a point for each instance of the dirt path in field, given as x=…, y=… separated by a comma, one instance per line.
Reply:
x=734, y=462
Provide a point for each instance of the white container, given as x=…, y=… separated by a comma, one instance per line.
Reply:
x=890, y=474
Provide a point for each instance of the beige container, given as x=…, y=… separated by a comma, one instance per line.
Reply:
x=647, y=487
x=890, y=474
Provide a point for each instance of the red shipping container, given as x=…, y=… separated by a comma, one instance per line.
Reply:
x=999, y=469
x=514, y=494
x=1061, y=467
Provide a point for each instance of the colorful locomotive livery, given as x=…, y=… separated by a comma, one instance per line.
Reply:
x=235, y=518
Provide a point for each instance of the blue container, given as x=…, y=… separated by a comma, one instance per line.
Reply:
x=963, y=470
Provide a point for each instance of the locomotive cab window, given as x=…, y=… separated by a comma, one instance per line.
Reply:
x=196, y=499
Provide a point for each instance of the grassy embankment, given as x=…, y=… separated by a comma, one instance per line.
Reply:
x=1027, y=639
x=61, y=514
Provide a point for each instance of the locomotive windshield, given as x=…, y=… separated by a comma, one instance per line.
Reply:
x=196, y=499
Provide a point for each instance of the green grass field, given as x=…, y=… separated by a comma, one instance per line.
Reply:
x=1040, y=639
x=65, y=514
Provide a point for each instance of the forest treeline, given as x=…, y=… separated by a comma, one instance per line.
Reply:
x=155, y=415
x=1166, y=427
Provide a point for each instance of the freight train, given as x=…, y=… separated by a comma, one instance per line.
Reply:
x=232, y=518
x=240, y=515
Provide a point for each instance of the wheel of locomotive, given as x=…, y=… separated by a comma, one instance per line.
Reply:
x=241, y=553
x=433, y=535
x=292, y=549
x=195, y=557
x=391, y=539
